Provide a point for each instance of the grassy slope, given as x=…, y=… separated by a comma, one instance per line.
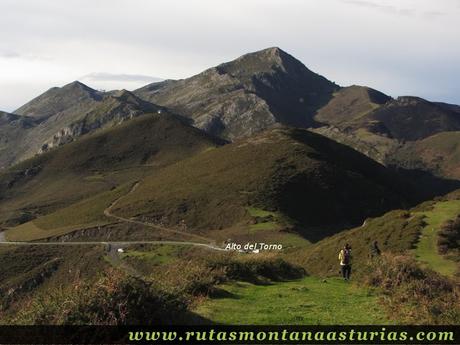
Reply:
x=83, y=214
x=384, y=131
x=427, y=249
x=306, y=179
x=413, y=118
x=349, y=104
x=396, y=231
x=31, y=271
x=439, y=153
x=405, y=118
x=306, y=301
x=95, y=164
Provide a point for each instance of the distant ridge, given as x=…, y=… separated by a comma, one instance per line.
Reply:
x=238, y=99
x=61, y=115
x=58, y=99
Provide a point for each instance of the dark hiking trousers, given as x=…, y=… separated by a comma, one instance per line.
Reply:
x=346, y=271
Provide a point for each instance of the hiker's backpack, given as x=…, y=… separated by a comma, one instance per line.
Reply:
x=346, y=256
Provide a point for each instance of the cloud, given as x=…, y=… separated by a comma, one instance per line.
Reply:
x=433, y=14
x=104, y=77
x=381, y=7
x=391, y=9
x=386, y=44
x=9, y=55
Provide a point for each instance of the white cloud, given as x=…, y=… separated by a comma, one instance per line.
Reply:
x=110, y=81
x=377, y=42
x=102, y=76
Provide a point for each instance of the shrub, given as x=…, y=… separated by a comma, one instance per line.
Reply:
x=449, y=237
x=113, y=300
x=188, y=278
x=252, y=268
x=194, y=276
x=417, y=295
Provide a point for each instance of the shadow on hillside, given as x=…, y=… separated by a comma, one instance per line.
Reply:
x=375, y=191
x=427, y=185
x=191, y=318
x=218, y=293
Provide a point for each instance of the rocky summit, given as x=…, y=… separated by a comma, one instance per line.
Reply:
x=247, y=95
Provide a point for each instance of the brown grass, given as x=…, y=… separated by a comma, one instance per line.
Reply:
x=412, y=294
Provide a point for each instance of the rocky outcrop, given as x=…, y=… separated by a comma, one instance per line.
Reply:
x=247, y=95
x=114, y=109
x=60, y=116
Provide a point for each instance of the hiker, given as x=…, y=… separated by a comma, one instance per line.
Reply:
x=345, y=261
x=375, y=250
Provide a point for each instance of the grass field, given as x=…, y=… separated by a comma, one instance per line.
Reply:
x=158, y=255
x=305, y=301
x=427, y=250
x=84, y=214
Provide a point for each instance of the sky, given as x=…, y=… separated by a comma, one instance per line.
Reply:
x=400, y=47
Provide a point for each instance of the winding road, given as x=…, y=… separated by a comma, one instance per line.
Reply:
x=114, y=245
x=108, y=213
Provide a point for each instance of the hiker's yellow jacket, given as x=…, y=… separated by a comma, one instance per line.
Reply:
x=342, y=258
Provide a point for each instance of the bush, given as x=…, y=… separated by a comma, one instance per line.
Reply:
x=114, y=299
x=189, y=278
x=193, y=276
x=417, y=295
x=449, y=237
x=252, y=268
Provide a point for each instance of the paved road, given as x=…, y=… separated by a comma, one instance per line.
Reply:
x=115, y=243
x=119, y=244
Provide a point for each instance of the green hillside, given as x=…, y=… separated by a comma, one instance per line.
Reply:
x=62, y=115
x=399, y=232
x=427, y=246
x=313, y=185
x=350, y=104
x=413, y=118
x=124, y=207
x=439, y=153
x=407, y=132
x=95, y=164
x=396, y=232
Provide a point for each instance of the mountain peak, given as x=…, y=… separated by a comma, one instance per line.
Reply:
x=126, y=96
x=77, y=85
x=58, y=99
x=121, y=93
x=261, y=61
x=264, y=87
x=270, y=52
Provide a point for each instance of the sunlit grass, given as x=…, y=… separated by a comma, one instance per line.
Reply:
x=307, y=301
x=427, y=249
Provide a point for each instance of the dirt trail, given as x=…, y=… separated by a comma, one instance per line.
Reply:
x=108, y=213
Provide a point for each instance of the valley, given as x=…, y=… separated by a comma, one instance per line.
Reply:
x=107, y=192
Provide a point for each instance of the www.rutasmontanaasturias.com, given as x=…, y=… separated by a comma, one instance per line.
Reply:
x=376, y=337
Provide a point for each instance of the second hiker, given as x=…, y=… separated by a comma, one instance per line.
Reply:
x=345, y=261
